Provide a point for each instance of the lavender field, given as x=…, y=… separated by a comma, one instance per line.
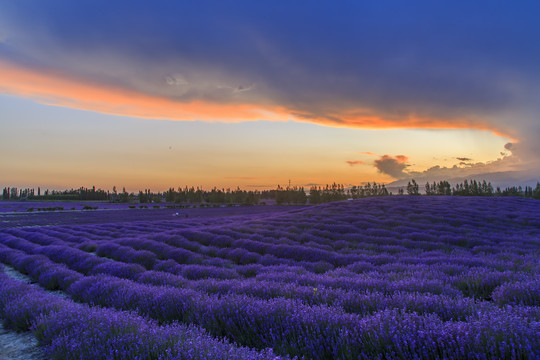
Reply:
x=399, y=277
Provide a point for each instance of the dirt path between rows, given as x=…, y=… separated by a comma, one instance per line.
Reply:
x=16, y=345
x=19, y=345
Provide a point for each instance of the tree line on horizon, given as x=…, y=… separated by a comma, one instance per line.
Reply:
x=291, y=195
x=473, y=188
x=82, y=193
x=214, y=196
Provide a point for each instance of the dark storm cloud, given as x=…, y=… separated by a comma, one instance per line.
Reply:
x=393, y=166
x=315, y=57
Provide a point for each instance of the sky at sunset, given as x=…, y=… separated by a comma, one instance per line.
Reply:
x=159, y=94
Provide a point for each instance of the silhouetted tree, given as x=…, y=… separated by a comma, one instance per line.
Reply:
x=412, y=188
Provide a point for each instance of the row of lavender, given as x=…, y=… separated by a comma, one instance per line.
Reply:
x=505, y=252
x=55, y=275
x=464, y=282
x=292, y=327
x=287, y=302
x=8, y=206
x=341, y=287
x=68, y=330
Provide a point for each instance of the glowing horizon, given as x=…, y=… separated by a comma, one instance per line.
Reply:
x=184, y=153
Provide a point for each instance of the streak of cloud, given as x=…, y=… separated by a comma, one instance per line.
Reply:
x=55, y=89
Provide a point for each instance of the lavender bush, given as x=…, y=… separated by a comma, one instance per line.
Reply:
x=377, y=278
x=68, y=330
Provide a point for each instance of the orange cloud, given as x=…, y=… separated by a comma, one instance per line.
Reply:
x=355, y=162
x=401, y=158
x=55, y=88
x=371, y=119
